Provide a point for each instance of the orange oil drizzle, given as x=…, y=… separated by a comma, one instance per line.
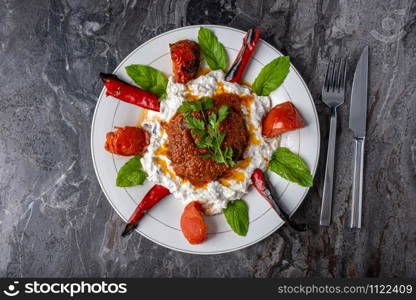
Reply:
x=189, y=96
x=232, y=174
x=197, y=185
x=247, y=100
x=164, y=167
x=203, y=71
x=246, y=83
x=244, y=163
x=224, y=182
x=162, y=150
x=252, y=140
x=220, y=88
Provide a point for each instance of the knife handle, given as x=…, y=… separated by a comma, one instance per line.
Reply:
x=326, y=207
x=357, y=184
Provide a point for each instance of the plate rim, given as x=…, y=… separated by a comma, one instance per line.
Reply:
x=313, y=169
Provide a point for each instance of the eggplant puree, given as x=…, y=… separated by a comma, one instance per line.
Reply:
x=184, y=154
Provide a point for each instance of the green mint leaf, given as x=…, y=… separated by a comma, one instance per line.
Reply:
x=131, y=173
x=222, y=113
x=149, y=79
x=236, y=215
x=271, y=76
x=195, y=123
x=212, y=50
x=291, y=167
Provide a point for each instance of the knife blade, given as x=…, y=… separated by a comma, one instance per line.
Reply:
x=358, y=107
x=357, y=123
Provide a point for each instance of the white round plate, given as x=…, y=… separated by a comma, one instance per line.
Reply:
x=161, y=224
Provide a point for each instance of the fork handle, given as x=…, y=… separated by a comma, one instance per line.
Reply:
x=357, y=184
x=326, y=207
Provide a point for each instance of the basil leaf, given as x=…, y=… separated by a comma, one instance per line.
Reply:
x=131, y=173
x=212, y=50
x=149, y=79
x=291, y=167
x=236, y=215
x=271, y=76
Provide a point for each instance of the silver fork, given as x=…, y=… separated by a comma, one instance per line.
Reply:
x=333, y=95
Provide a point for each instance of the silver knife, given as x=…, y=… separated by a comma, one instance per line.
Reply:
x=358, y=120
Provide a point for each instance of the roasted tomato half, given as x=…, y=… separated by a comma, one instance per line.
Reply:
x=127, y=141
x=283, y=117
x=185, y=60
x=192, y=223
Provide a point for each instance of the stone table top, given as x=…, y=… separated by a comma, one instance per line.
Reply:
x=54, y=219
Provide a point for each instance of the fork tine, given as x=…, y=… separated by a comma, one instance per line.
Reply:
x=345, y=74
x=331, y=75
x=338, y=81
x=326, y=82
x=334, y=75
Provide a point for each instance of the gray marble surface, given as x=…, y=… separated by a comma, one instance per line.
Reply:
x=54, y=219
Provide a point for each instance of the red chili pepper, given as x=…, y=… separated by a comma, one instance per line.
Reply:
x=153, y=196
x=129, y=93
x=238, y=67
x=263, y=186
x=259, y=183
